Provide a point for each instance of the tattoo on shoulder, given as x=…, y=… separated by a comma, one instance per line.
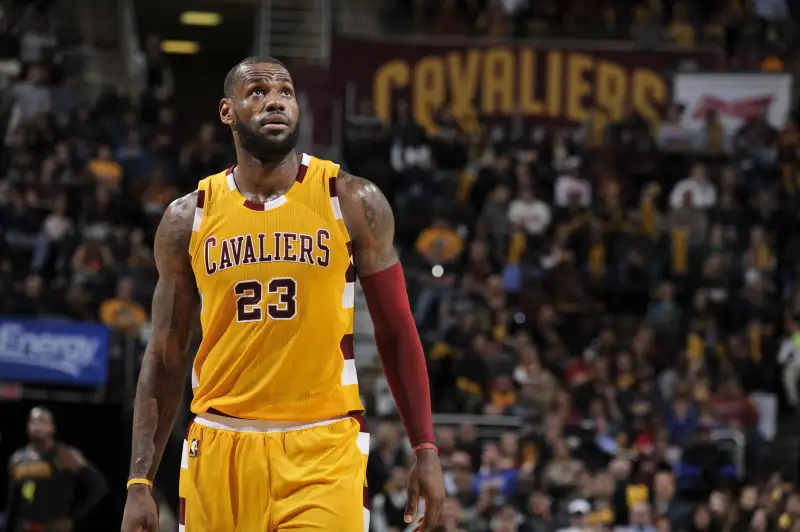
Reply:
x=175, y=230
x=370, y=221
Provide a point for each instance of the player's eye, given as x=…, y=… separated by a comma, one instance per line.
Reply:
x=259, y=91
x=286, y=92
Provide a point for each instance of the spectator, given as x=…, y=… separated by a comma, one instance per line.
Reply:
x=388, y=507
x=531, y=213
x=713, y=139
x=52, y=240
x=578, y=511
x=32, y=95
x=91, y=259
x=789, y=358
x=122, y=312
x=104, y=169
x=38, y=44
x=700, y=191
x=571, y=189
x=673, y=136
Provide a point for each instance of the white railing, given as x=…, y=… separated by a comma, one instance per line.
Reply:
x=735, y=441
x=296, y=30
x=129, y=46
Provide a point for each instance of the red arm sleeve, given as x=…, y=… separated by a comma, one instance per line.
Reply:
x=400, y=350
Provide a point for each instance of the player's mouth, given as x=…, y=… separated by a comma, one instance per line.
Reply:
x=274, y=123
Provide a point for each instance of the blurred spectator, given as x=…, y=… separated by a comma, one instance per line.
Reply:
x=104, y=169
x=121, y=311
x=38, y=43
x=32, y=95
x=532, y=214
x=388, y=507
x=695, y=190
x=570, y=189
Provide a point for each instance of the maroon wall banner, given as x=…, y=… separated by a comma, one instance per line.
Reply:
x=536, y=81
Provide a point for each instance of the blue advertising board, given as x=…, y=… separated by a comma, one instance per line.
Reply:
x=60, y=352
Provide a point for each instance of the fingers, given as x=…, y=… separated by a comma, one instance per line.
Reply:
x=413, y=500
x=433, y=507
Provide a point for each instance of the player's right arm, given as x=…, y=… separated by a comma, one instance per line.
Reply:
x=175, y=311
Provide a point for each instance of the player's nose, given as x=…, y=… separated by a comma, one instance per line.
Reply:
x=274, y=104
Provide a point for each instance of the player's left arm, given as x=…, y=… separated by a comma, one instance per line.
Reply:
x=93, y=484
x=12, y=498
x=370, y=222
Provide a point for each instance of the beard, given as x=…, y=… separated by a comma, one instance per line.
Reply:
x=265, y=148
x=37, y=439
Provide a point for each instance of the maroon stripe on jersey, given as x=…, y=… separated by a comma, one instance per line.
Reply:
x=365, y=497
x=218, y=413
x=253, y=205
x=346, y=346
x=301, y=173
x=349, y=249
x=358, y=415
x=350, y=275
x=256, y=206
x=332, y=187
x=201, y=198
x=182, y=514
x=230, y=170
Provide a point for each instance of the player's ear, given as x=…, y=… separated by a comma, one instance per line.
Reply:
x=226, y=111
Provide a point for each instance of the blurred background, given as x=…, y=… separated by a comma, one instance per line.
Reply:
x=597, y=207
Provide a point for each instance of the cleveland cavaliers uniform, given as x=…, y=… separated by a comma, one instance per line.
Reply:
x=277, y=439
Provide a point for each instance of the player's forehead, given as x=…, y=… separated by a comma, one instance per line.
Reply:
x=262, y=72
x=40, y=414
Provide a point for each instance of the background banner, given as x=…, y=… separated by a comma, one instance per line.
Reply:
x=734, y=96
x=534, y=81
x=53, y=351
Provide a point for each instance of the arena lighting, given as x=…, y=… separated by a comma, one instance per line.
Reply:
x=180, y=47
x=200, y=18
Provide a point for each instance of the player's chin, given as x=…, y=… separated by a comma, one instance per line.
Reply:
x=276, y=139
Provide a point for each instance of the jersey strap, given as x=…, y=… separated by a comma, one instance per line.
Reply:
x=203, y=197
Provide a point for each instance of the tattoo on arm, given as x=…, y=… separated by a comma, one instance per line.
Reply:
x=175, y=312
x=370, y=221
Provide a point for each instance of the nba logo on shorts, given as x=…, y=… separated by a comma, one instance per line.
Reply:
x=193, y=448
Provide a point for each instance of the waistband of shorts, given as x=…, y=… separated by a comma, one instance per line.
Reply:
x=215, y=421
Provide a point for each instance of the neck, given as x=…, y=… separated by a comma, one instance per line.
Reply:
x=265, y=178
x=42, y=446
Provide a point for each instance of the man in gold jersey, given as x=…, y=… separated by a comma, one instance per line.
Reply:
x=266, y=255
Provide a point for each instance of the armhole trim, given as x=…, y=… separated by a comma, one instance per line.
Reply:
x=335, y=205
x=197, y=223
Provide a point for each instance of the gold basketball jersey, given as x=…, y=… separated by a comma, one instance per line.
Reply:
x=277, y=287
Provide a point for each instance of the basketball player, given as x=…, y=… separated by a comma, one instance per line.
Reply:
x=51, y=485
x=266, y=254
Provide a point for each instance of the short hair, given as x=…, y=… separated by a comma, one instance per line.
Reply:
x=44, y=410
x=230, y=78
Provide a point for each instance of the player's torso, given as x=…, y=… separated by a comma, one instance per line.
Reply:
x=42, y=485
x=276, y=283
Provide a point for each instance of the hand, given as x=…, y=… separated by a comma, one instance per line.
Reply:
x=61, y=525
x=141, y=513
x=425, y=480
